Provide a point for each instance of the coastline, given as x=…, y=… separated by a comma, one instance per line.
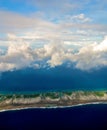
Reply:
x=54, y=107
x=51, y=100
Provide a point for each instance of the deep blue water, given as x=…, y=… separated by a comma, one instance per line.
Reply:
x=53, y=79
x=88, y=117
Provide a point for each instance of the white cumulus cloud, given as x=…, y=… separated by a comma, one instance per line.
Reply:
x=21, y=55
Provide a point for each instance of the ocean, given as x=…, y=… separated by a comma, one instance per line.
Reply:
x=88, y=117
x=53, y=79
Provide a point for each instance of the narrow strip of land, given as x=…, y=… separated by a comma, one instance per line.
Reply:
x=50, y=99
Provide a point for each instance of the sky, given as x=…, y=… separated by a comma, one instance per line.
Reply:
x=48, y=33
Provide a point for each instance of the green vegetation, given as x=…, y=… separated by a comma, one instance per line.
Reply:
x=100, y=93
x=67, y=93
x=52, y=95
x=9, y=96
x=31, y=95
x=2, y=98
x=86, y=93
x=18, y=96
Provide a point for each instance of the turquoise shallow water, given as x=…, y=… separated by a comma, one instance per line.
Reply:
x=55, y=79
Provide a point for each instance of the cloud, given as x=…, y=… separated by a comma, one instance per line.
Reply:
x=80, y=18
x=20, y=56
x=1, y=52
x=37, y=30
x=54, y=33
x=14, y=22
x=11, y=36
x=92, y=56
x=6, y=67
x=54, y=7
x=102, y=46
x=17, y=56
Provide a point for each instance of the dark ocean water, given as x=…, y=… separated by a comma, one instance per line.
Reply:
x=54, y=79
x=88, y=117
x=92, y=117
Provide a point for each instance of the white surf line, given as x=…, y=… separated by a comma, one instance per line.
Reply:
x=53, y=107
